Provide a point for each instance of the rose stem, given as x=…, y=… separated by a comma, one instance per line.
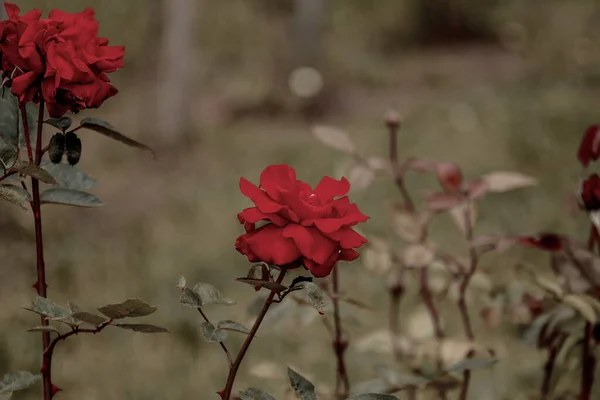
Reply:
x=340, y=344
x=226, y=393
x=462, y=303
x=40, y=284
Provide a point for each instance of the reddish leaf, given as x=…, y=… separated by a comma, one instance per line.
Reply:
x=543, y=241
x=476, y=189
x=443, y=201
x=589, y=150
x=450, y=176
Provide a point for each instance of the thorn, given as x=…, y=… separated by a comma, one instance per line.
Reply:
x=221, y=393
x=55, y=389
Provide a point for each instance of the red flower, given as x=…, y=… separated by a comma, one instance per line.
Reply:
x=303, y=225
x=60, y=59
x=450, y=177
x=590, y=193
x=589, y=150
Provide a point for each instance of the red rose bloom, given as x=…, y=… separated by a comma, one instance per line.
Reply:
x=590, y=193
x=589, y=149
x=303, y=225
x=60, y=59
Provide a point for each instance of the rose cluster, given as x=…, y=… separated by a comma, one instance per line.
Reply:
x=60, y=59
x=301, y=225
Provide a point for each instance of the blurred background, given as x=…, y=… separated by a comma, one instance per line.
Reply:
x=222, y=88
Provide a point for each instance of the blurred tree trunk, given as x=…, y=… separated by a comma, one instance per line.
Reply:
x=173, y=120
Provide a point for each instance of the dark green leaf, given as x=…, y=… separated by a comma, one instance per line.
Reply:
x=315, y=295
x=278, y=288
x=8, y=155
x=232, y=326
x=50, y=309
x=15, y=195
x=143, y=328
x=108, y=130
x=373, y=396
x=203, y=294
x=11, y=126
x=212, y=334
x=304, y=389
x=62, y=123
x=129, y=308
x=69, y=197
x=255, y=394
x=19, y=380
x=44, y=328
x=68, y=177
x=89, y=318
x=56, y=148
x=73, y=148
x=35, y=172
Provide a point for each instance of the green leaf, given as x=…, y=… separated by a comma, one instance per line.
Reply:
x=19, y=380
x=128, y=308
x=253, y=393
x=8, y=155
x=35, y=172
x=70, y=177
x=143, y=328
x=583, y=307
x=44, y=328
x=470, y=364
x=11, y=125
x=15, y=195
x=304, y=389
x=108, y=130
x=69, y=197
x=315, y=296
x=50, y=309
x=89, y=318
x=229, y=325
x=373, y=396
x=203, y=294
x=62, y=123
x=278, y=288
x=212, y=334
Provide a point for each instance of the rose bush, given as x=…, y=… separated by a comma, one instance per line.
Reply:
x=303, y=225
x=60, y=59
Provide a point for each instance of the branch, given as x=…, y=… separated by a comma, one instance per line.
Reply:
x=340, y=344
x=227, y=353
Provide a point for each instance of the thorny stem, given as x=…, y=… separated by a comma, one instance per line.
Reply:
x=396, y=292
x=340, y=344
x=549, y=369
x=428, y=299
x=588, y=359
x=462, y=303
x=226, y=393
x=26, y=131
x=398, y=176
x=40, y=284
x=49, y=352
x=227, y=353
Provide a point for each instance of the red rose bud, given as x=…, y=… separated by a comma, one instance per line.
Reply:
x=590, y=193
x=311, y=227
x=589, y=150
x=60, y=59
x=450, y=176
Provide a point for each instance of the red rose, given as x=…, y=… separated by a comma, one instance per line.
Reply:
x=60, y=58
x=303, y=225
x=590, y=193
